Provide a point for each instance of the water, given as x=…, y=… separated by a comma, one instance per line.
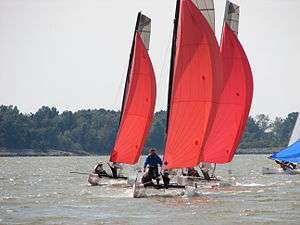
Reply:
x=40, y=190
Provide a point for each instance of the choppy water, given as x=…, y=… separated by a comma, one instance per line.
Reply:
x=40, y=190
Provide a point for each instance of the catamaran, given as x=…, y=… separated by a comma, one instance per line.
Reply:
x=138, y=102
x=236, y=97
x=233, y=105
x=210, y=89
x=195, y=83
x=287, y=158
x=235, y=100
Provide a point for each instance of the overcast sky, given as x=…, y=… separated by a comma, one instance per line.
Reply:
x=73, y=54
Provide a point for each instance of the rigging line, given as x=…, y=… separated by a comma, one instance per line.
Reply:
x=198, y=6
x=118, y=92
x=76, y=172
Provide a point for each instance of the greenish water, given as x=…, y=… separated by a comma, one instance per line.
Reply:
x=40, y=190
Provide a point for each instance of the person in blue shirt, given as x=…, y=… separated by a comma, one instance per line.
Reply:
x=152, y=161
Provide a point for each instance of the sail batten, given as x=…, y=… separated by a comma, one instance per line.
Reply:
x=194, y=86
x=207, y=9
x=138, y=100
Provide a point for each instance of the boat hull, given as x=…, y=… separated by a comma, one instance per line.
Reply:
x=266, y=170
x=94, y=180
x=139, y=189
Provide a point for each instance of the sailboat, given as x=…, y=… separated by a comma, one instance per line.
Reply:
x=198, y=105
x=233, y=105
x=138, y=100
x=236, y=97
x=205, y=83
x=195, y=84
x=289, y=155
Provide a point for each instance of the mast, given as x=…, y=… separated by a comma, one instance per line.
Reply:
x=129, y=66
x=172, y=61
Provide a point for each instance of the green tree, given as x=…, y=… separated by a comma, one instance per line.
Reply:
x=94, y=131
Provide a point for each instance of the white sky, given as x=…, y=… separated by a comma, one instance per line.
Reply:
x=73, y=54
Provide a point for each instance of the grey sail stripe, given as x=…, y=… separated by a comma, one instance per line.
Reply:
x=232, y=14
x=208, y=10
x=232, y=20
x=144, y=29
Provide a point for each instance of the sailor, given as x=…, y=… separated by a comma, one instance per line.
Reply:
x=192, y=172
x=284, y=165
x=153, y=160
x=165, y=177
x=146, y=180
x=205, y=168
x=99, y=170
x=292, y=166
x=114, y=169
x=184, y=171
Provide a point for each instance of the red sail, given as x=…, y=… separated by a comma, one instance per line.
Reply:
x=195, y=87
x=234, y=104
x=138, y=107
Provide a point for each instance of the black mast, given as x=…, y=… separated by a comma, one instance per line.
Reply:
x=173, y=52
x=129, y=66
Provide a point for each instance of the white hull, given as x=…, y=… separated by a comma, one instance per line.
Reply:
x=140, y=191
x=94, y=180
x=266, y=170
x=191, y=187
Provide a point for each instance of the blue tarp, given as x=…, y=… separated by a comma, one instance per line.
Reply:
x=290, y=154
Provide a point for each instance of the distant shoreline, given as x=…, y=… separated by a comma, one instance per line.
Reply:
x=62, y=153
x=40, y=153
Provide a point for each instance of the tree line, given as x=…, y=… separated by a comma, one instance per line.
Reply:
x=94, y=131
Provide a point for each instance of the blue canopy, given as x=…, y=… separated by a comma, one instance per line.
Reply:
x=290, y=154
